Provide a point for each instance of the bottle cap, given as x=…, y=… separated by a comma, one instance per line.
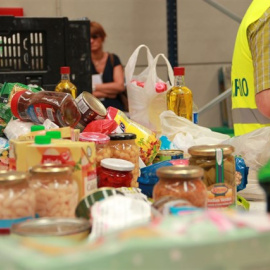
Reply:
x=54, y=134
x=98, y=138
x=14, y=103
x=117, y=164
x=122, y=136
x=179, y=71
x=37, y=128
x=42, y=139
x=161, y=87
x=65, y=70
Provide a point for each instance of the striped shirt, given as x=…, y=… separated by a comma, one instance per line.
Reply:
x=258, y=35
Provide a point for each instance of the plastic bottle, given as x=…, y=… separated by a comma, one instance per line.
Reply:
x=179, y=97
x=60, y=108
x=65, y=85
x=195, y=115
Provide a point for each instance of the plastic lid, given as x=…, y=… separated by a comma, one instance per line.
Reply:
x=117, y=164
x=96, y=137
x=37, y=128
x=14, y=103
x=161, y=87
x=54, y=134
x=179, y=71
x=65, y=70
x=122, y=136
x=42, y=139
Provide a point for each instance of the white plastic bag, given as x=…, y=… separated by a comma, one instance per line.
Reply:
x=145, y=104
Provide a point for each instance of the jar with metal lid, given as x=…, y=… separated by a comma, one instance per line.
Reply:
x=123, y=146
x=218, y=163
x=56, y=190
x=115, y=173
x=17, y=199
x=102, y=145
x=181, y=182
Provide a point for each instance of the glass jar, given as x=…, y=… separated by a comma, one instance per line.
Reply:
x=123, y=146
x=17, y=199
x=115, y=173
x=56, y=191
x=181, y=182
x=219, y=172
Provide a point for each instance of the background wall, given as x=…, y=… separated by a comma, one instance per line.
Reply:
x=205, y=35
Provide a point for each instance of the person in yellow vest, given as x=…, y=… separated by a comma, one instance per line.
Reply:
x=250, y=76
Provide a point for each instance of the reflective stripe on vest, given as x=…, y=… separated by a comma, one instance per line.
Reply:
x=248, y=116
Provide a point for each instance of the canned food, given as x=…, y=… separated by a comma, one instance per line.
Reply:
x=91, y=109
x=219, y=172
x=72, y=228
x=56, y=191
x=168, y=155
x=84, y=207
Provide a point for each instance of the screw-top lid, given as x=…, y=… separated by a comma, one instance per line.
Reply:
x=51, y=168
x=210, y=150
x=54, y=134
x=117, y=164
x=14, y=103
x=98, y=138
x=42, y=139
x=161, y=87
x=65, y=70
x=13, y=177
x=122, y=136
x=37, y=128
x=179, y=71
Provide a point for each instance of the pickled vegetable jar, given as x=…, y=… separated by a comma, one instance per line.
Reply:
x=56, y=191
x=115, y=173
x=181, y=182
x=123, y=146
x=218, y=163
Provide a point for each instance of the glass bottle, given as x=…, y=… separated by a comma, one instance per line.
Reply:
x=65, y=85
x=179, y=97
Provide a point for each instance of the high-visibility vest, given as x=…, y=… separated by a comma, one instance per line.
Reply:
x=246, y=116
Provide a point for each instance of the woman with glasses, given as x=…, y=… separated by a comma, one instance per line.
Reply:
x=107, y=70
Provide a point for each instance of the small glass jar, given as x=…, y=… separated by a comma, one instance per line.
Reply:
x=115, y=173
x=219, y=172
x=123, y=146
x=181, y=182
x=56, y=191
x=17, y=199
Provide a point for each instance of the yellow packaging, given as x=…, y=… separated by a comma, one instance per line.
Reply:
x=146, y=139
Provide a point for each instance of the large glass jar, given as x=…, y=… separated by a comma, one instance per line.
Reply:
x=181, y=182
x=123, y=146
x=219, y=172
x=56, y=191
x=17, y=199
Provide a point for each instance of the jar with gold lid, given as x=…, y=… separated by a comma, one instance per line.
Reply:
x=181, y=182
x=17, y=199
x=218, y=163
x=56, y=190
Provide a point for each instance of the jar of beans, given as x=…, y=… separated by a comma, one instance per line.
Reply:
x=115, y=173
x=17, y=199
x=56, y=191
x=123, y=146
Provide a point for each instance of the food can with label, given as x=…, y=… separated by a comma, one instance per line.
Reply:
x=91, y=109
x=168, y=155
x=218, y=163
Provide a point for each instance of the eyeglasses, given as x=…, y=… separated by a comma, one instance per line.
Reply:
x=95, y=36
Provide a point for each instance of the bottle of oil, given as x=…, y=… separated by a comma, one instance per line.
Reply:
x=65, y=85
x=179, y=97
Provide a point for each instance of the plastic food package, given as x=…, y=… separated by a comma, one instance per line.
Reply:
x=16, y=127
x=105, y=126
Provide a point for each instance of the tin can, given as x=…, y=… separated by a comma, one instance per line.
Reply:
x=71, y=228
x=84, y=207
x=91, y=109
x=168, y=155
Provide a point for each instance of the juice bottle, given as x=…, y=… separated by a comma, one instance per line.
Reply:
x=179, y=97
x=65, y=85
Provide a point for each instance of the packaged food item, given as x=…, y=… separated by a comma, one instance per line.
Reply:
x=179, y=97
x=17, y=200
x=115, y=172
x=123, y=146
x=4, y=152
x=168, y=155
x=65, y=85
x=68, y=228
x=90, y=108
x=59, y=107
x=146, y=139
x=56, y=190
x=104, y=126
x=218, y=163
x=181, y=182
